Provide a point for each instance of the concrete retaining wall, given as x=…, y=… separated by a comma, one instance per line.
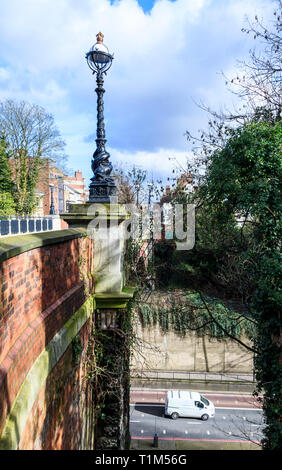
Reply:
x=191, y=353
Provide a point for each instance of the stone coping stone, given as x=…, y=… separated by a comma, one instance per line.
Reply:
x=114, y=299
x=85, y=213
x=88, y=209
x=15, y=245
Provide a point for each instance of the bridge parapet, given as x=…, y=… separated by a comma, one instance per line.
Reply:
x=47, y=305
x=54, y=286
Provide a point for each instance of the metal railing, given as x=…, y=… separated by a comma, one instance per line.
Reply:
x=16, y=225
x=183, y=375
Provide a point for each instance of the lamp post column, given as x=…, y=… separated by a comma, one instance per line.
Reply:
x=101, y=140
x=52, y=208
x=102, y=185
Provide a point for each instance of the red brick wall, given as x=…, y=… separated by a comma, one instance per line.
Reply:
x=39, y=291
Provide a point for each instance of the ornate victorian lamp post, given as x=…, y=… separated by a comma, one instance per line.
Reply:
x=52, y=208
x=102, y=185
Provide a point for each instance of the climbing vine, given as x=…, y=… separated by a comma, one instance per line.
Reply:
x=190, y=314
x=77, y=348
x=108, y=374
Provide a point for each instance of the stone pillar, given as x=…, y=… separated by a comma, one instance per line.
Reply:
x=104, y=224
x=56, y=221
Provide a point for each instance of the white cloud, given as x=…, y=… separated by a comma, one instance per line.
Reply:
x=158, y=164
x=4, y=74
x=164, y=60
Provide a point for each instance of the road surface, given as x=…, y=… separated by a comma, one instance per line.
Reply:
x=237, y=418
x=220, y=400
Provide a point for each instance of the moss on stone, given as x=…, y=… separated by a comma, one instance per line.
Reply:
x=114, y=299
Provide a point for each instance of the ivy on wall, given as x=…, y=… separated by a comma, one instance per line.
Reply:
x=191, y=314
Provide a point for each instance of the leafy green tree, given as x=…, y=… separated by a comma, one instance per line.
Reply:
x=32, y=137
x=214, y=246
x=7, y=204
x=244, y=181
x=237, y=249
x=6, y=183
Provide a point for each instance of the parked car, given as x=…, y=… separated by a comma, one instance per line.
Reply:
x=180, y=403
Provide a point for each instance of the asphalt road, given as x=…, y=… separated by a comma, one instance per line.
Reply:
x=220, y=400
x=237, y=418
x=227, y=424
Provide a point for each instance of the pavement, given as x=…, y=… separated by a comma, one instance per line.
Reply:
x=214, y=381
x=165, y=444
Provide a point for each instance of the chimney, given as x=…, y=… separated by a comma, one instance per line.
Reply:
x=78, y=175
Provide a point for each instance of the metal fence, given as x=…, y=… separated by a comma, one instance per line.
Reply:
x=183, y=375
x=25, y=225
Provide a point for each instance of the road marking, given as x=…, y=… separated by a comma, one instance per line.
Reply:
x=191, y=439
x=146, y=404
x=195, y=423
x=132, y=421
x=233, y=408
x=159, y=392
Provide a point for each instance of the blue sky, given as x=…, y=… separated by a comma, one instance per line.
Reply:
x=168, y=55
x=146, y=5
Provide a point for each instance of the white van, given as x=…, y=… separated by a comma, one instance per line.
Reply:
x=180, y=403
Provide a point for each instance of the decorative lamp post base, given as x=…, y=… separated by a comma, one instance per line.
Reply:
x=101, y=191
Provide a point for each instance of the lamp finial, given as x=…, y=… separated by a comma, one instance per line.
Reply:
x=100, y=37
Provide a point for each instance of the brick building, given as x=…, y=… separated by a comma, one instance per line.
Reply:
x=77, y=183
x=66, y=189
